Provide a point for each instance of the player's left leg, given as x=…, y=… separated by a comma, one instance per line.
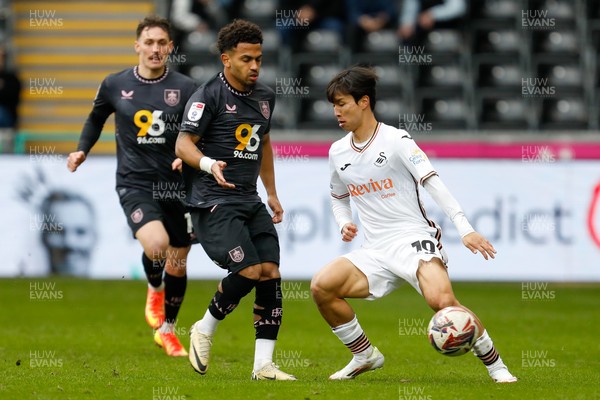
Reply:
x=268, y=313
x=175, y=280
x=330, y=287
x=268, y=301
x=437, y=290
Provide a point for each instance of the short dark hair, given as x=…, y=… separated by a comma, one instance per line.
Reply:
x=357, y=82
x=238, y=31
x=152, y=21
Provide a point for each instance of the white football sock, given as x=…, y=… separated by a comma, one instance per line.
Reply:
x=353, y=336
x=167, y=327
x=208, y=324
x=484, y=349
x=263, y=353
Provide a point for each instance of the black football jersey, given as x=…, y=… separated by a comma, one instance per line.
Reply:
x=148, y=113
x=231, y=126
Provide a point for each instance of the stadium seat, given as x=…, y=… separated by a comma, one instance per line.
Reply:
x=316, y=114
x=497, y=40
x=564, y=112
x=321, y=40
x=203, y=72
x=271, y=41
x=318, y=75
x=496, y=9
x=389, y=109
x=444, y=41
x=269, y=72
x=449, y=74
x=501, y=74
x=204, y=42
x=559, y=9
x=444, y=111
x=381, y=41
x=259, y=9
x=566, y=74
x=284, y=115
x=499, y=111
x=556, y=42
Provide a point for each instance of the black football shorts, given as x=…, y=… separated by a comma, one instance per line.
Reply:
x=140, y=208
x=236, y=236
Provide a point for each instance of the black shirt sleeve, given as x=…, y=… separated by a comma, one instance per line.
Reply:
x=198, y=113
x=95, y=121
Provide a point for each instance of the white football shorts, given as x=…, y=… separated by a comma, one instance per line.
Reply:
x=388, y=265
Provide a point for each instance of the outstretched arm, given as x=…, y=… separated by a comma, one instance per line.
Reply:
x=186, y=149
x=444, y=199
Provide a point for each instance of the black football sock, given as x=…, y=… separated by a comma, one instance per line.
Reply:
x=234, y=288
x=153, y=269
x=174, y=292
x=269, y=307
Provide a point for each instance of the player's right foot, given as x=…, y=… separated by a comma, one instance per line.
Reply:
x=359, y=366
x=200, y=344
x=155, y=308
x=170, y=343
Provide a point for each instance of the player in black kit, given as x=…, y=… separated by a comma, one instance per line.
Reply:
x=148, y=101
x=225, y=145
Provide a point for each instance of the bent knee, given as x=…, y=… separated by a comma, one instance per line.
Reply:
x=320, y=289
x=157, y=249
x=253, y=272
x=442, y=300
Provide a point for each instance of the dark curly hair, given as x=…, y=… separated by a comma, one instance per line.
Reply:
x=238, y=31
x=357, y=81
x=152, y=21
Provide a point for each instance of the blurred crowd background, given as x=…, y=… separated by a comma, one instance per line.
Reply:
x=460, y=68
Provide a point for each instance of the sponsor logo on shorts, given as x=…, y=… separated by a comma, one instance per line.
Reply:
x=237, y=254
x=137, y=216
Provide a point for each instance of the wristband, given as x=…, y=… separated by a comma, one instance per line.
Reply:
x=206, y=164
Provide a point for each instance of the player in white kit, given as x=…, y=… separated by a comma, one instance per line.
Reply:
x=380, y=168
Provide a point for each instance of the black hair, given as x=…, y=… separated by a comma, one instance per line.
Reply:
x=357, y=81
x=238, y=31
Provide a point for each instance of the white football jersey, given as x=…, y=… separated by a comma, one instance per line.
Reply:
x=382, y=178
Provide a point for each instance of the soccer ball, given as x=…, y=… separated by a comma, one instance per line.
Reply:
x=453, y=331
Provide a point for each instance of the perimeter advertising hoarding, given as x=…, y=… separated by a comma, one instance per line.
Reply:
x=540, y=216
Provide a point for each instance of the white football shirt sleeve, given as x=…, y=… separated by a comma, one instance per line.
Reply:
x=340, y=198
x=444, y=199
x=413, y=158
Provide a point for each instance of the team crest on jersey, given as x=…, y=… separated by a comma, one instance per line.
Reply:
x=172, y=97
x=195, y=111
x=265, y=109
x=127, y=95
x=137, y=216
x=381, y=160
x=237, y=254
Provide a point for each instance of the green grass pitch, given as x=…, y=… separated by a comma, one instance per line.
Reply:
x=80, y=339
